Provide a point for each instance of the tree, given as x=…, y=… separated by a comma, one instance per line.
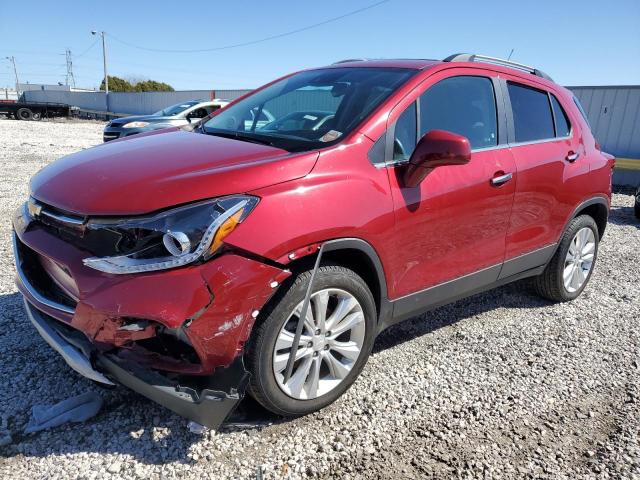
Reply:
x=152, y=86
x=117, y=84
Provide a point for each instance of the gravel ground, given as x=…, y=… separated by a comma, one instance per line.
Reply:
x=499, y=385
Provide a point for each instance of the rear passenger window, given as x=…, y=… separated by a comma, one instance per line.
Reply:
x=532, y=116
x=563, y=127
x=404, y=140
x=464, y=105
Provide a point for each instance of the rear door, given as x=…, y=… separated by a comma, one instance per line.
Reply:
x=455, y=222
x=551, y=165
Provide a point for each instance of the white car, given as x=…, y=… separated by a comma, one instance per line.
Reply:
x=176, y=115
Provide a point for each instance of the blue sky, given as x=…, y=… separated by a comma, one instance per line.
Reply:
x=584, y=42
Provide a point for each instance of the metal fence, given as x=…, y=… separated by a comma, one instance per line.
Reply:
x=131, y=103
x=614, y=115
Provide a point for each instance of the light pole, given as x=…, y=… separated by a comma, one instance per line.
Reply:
x=104, y=60
x=12, y=59
x=106, y=77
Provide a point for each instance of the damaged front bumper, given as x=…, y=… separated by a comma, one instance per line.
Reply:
x=174, y=336
x=208, y=406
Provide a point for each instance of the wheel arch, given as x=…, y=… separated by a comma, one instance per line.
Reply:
x=597, y=208
x=357, y=255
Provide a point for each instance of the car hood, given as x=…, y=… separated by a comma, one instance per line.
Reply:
x=161, y=169
x=141, y=118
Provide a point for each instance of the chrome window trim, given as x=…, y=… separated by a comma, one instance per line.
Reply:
x=396, y=163
x=30, y=288
x=543, y=140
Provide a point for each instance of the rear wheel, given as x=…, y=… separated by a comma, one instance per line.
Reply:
x=24, y=114
x=337, y=337
x=36, y=116
x=572, y=265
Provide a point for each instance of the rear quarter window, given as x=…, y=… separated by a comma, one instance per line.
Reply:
x=582, y=112
x=563, y=126
x=532, y=117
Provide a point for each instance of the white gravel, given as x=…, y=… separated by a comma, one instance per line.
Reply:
x=499, y=385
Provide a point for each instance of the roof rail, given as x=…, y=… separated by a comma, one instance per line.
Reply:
x=347, y=60
x=473, y=57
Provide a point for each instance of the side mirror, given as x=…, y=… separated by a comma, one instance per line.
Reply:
x=436, y=149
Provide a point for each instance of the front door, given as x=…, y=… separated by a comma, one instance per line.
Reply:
x=454, y=224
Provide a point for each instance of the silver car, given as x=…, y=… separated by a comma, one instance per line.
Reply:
x=174, y=116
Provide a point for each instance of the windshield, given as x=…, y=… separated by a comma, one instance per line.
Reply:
x=308, y=110
x=175, y=109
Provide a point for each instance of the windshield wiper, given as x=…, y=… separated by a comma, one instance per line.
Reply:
x=238, y=136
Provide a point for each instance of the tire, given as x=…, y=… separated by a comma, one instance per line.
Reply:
x=24, y=114
x=264, y=387
x=36, y=116
x=636, y=206
x=551, y=283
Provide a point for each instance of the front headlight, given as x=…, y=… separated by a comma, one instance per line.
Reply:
x=135, y=125
x=173, y=238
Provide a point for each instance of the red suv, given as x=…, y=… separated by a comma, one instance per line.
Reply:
x=264, y=248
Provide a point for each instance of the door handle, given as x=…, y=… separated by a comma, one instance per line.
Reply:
x=572, y=156
x=501, y=179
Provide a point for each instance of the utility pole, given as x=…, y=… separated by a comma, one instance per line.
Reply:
x=104, y=62
x=70, y=69
x=12, y=59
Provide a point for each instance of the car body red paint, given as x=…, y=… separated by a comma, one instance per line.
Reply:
x=453, y=224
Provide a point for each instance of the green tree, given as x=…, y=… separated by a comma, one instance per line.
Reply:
x=117, y=84
x=152, y=86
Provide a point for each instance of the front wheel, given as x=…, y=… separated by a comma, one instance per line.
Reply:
x=571, y=267
x=337, y=337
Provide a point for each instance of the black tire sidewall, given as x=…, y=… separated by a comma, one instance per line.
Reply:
x=576, y=225
x=28, y=114
x=263, y=384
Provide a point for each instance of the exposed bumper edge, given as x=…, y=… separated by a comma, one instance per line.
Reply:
x=209, y=404
x=207, y=407
x=71, y=355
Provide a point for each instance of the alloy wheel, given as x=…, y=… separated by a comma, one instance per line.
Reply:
x=579, y=259
x=331, y=342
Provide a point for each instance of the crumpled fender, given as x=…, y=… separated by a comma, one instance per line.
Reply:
x=240, y=288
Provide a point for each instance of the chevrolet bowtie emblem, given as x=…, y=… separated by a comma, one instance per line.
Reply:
x=34, y=208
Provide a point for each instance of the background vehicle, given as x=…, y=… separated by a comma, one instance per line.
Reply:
x=426, y=182
x=33, y=110
x=174, y=116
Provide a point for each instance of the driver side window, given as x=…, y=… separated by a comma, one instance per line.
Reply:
x=465, y=105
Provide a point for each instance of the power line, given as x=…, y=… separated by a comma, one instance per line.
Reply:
x=253, y=42
x=87, y=50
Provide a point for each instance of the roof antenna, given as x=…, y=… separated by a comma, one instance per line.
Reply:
x=510, y=53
